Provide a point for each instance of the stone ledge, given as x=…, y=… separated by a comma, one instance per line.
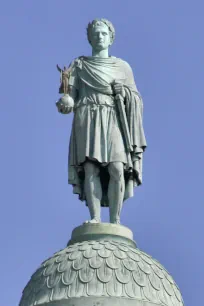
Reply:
x=101, y=301
x=99, y=231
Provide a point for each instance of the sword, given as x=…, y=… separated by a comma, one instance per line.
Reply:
x=124, y=124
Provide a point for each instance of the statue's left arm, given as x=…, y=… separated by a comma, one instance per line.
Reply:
x=134, y=112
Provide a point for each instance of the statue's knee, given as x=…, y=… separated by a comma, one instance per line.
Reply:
x=91, y=169
x=116, y=170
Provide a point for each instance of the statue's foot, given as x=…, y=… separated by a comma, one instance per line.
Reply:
x=115, y=221
x=93, y=221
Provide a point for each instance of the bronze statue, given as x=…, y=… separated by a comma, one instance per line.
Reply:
x=107, y=140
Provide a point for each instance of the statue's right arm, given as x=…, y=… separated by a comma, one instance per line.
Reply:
x=73, y=92
x=65, y=104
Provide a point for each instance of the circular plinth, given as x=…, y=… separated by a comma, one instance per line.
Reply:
x=101, y=231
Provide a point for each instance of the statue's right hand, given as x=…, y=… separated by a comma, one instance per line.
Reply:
x=65, y=104
x=63, y=109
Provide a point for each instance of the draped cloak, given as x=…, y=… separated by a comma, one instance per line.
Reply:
x=97, y=132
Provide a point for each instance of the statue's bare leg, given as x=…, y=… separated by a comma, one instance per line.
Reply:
x=116, y=190
x=93, y=191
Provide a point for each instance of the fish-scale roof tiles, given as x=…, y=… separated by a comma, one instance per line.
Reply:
x=101, y=268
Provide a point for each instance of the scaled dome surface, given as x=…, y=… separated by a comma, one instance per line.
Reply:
x=104, y=271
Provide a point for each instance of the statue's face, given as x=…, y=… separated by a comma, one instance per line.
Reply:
x=100, y=37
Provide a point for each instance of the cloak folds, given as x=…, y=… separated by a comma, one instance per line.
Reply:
x=96, y=129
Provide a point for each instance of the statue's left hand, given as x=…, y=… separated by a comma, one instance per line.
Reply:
x=119, y=89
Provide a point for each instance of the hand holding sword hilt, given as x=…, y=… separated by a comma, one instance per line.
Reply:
x=118, y=89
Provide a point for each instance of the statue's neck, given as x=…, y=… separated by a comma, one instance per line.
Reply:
x=102, y=53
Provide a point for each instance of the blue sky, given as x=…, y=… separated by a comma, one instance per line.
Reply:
x=163, y=42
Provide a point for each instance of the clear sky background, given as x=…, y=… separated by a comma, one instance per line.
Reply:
x=164, y=44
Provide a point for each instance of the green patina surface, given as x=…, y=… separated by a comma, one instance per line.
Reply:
x=107, y=139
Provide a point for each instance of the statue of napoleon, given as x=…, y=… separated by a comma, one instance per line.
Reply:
x=107, y=139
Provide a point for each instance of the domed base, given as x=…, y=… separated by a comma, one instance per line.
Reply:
x=101, y=266
x=102, y=231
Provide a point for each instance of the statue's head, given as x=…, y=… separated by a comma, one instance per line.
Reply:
x=100, y=33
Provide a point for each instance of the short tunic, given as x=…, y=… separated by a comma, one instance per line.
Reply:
x=96, y=131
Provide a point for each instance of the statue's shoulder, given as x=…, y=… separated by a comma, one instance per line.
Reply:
x=123, y=63
x=76, y=61
x=125, y=66
x=75, y=64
